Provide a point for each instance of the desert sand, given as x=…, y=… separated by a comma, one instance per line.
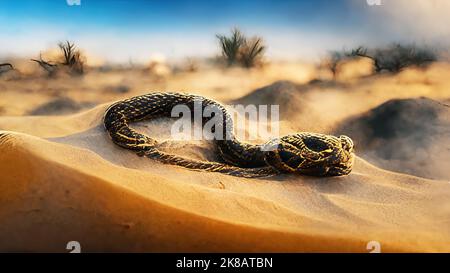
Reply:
x=62, y=179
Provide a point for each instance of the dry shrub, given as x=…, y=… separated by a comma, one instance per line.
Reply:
x=237, y=49
x=333, y=61
x=252, y=52
x=72, y=61
x=231, y=45
x=396, y=57
x=73, y=58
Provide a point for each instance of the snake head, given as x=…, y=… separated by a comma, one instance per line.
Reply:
x=311, y=154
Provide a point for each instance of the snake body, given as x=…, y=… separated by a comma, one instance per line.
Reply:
x=302, y=153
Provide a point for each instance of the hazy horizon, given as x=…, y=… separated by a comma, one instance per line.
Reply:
x=119, y=31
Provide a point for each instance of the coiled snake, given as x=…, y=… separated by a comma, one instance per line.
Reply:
x=301, y=153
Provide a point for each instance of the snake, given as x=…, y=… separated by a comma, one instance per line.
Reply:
x=303, y=153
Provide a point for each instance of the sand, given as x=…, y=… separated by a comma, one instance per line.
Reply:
x=62, y=179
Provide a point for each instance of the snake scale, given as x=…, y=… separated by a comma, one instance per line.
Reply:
x=302, y=153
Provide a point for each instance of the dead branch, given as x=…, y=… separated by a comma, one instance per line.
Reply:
x=11, y=67
x=47, y=66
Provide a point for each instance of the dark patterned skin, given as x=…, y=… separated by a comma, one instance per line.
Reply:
x=302, y=153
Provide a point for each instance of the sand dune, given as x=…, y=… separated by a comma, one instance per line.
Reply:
x=63, y=180
x=59, y=106
x=285, y=93
x=407, y=135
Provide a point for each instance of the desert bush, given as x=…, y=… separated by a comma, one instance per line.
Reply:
x=251, y=52
x=333, y=60
x=238, y=49
x=396, y=57
x=230, y=46
x=71, y=59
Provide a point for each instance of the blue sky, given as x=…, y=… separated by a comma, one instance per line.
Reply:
x=169, y=14
x=138, y=28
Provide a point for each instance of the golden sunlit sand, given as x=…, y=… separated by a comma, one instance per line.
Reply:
x=62, y=179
